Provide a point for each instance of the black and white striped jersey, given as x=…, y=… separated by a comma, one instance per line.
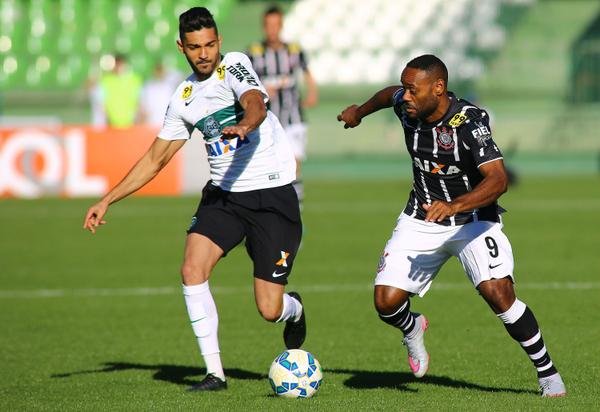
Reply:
x=446, y=156
x=281, y=69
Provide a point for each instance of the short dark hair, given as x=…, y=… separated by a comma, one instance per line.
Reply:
x=273, y=9
x=430, y=64
x=196, y=18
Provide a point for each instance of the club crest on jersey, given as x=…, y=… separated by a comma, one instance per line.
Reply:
x=457, y=120
x=187, y=92
x=212, y=128
x=445, y=137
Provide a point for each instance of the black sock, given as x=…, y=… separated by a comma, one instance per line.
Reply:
x=521, y=324
x=402, y=319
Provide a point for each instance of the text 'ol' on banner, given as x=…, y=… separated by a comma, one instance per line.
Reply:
x=74, y=161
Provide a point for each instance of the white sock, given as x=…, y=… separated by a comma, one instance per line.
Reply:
x=292, y=309
x=205, y=323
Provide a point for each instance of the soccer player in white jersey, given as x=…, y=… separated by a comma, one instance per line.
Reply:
x=249, y=196
x=452, y=211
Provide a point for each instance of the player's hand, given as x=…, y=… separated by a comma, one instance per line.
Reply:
x=94, y=215
x=230, y=132
x=271, y=91
x=311, y=100
x=438, y=211
x=350, y=117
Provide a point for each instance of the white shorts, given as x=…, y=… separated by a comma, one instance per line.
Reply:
x=418, y=249
x=297, y=138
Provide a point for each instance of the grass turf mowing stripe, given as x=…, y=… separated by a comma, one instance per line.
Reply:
x=226, y=290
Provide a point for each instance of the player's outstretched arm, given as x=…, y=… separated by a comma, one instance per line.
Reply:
x=255, y=112
x=353, y=115
x=493, y=185
x=157, y=156
x=312, y=92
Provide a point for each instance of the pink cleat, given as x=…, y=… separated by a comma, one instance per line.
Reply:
x=418, y=358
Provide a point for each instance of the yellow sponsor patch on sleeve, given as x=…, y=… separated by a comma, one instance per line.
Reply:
x=257, y=49
x=187, y=92
x=457, y=120
x=221, y=71
x=293, y=48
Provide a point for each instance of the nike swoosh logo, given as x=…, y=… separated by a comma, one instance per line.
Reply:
x=189, y=101
x=495, y=266
x=276, y=275
x=414, y=366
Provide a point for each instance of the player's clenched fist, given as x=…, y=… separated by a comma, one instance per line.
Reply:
x=94, y=215
x=350, y=117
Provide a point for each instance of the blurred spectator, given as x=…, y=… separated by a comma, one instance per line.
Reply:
x=156, y=94
x=115, y=97
x=279, y=64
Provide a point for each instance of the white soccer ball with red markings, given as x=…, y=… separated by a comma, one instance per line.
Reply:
x=295, y=374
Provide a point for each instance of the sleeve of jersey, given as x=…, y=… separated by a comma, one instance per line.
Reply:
x=477, y=135
x=174, y=127
x=241, y=77
x=397, y=97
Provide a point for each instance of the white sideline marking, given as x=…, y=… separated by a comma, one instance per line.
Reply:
x=228, y=290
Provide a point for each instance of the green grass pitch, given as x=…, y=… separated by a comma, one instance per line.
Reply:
x=99, y=323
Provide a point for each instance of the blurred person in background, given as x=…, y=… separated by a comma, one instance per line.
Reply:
x=115, y=97
x=250, y=194
x=452, y=210
x=156, y=93
x=280, y=66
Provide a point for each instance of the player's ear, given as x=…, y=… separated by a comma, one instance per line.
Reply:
x=439, y=87
x=220, y=40
x=180, y=45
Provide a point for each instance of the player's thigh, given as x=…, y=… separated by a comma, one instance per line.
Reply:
x=485, y=252
x=412, y=257
x=200, y=257
x=272, y=242
x=219, y=223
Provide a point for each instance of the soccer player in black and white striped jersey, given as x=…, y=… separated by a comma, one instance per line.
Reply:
x=279, y=66
x=451, y=211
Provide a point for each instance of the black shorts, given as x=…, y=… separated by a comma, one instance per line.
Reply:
x=269, y=219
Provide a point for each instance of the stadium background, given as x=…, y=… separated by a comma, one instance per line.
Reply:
x=533, y=64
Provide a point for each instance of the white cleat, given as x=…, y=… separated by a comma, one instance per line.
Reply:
x=418, y=358
x=552, y=386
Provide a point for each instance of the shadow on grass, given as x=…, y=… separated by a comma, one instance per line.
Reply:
x=361, y=379
x=180, y=375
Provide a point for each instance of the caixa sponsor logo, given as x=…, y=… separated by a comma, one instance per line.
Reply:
x=221, y=147
x=435, y=168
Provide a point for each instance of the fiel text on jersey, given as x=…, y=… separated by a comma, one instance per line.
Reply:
x=482, y=134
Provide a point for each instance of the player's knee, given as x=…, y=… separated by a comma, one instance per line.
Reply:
x=270, y=312
x=192, y=274
x=388, y=300
x=498, y=293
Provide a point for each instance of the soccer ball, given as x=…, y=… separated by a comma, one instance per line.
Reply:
x=295, y=374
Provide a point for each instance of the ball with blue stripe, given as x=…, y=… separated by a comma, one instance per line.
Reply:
x=295, y=373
